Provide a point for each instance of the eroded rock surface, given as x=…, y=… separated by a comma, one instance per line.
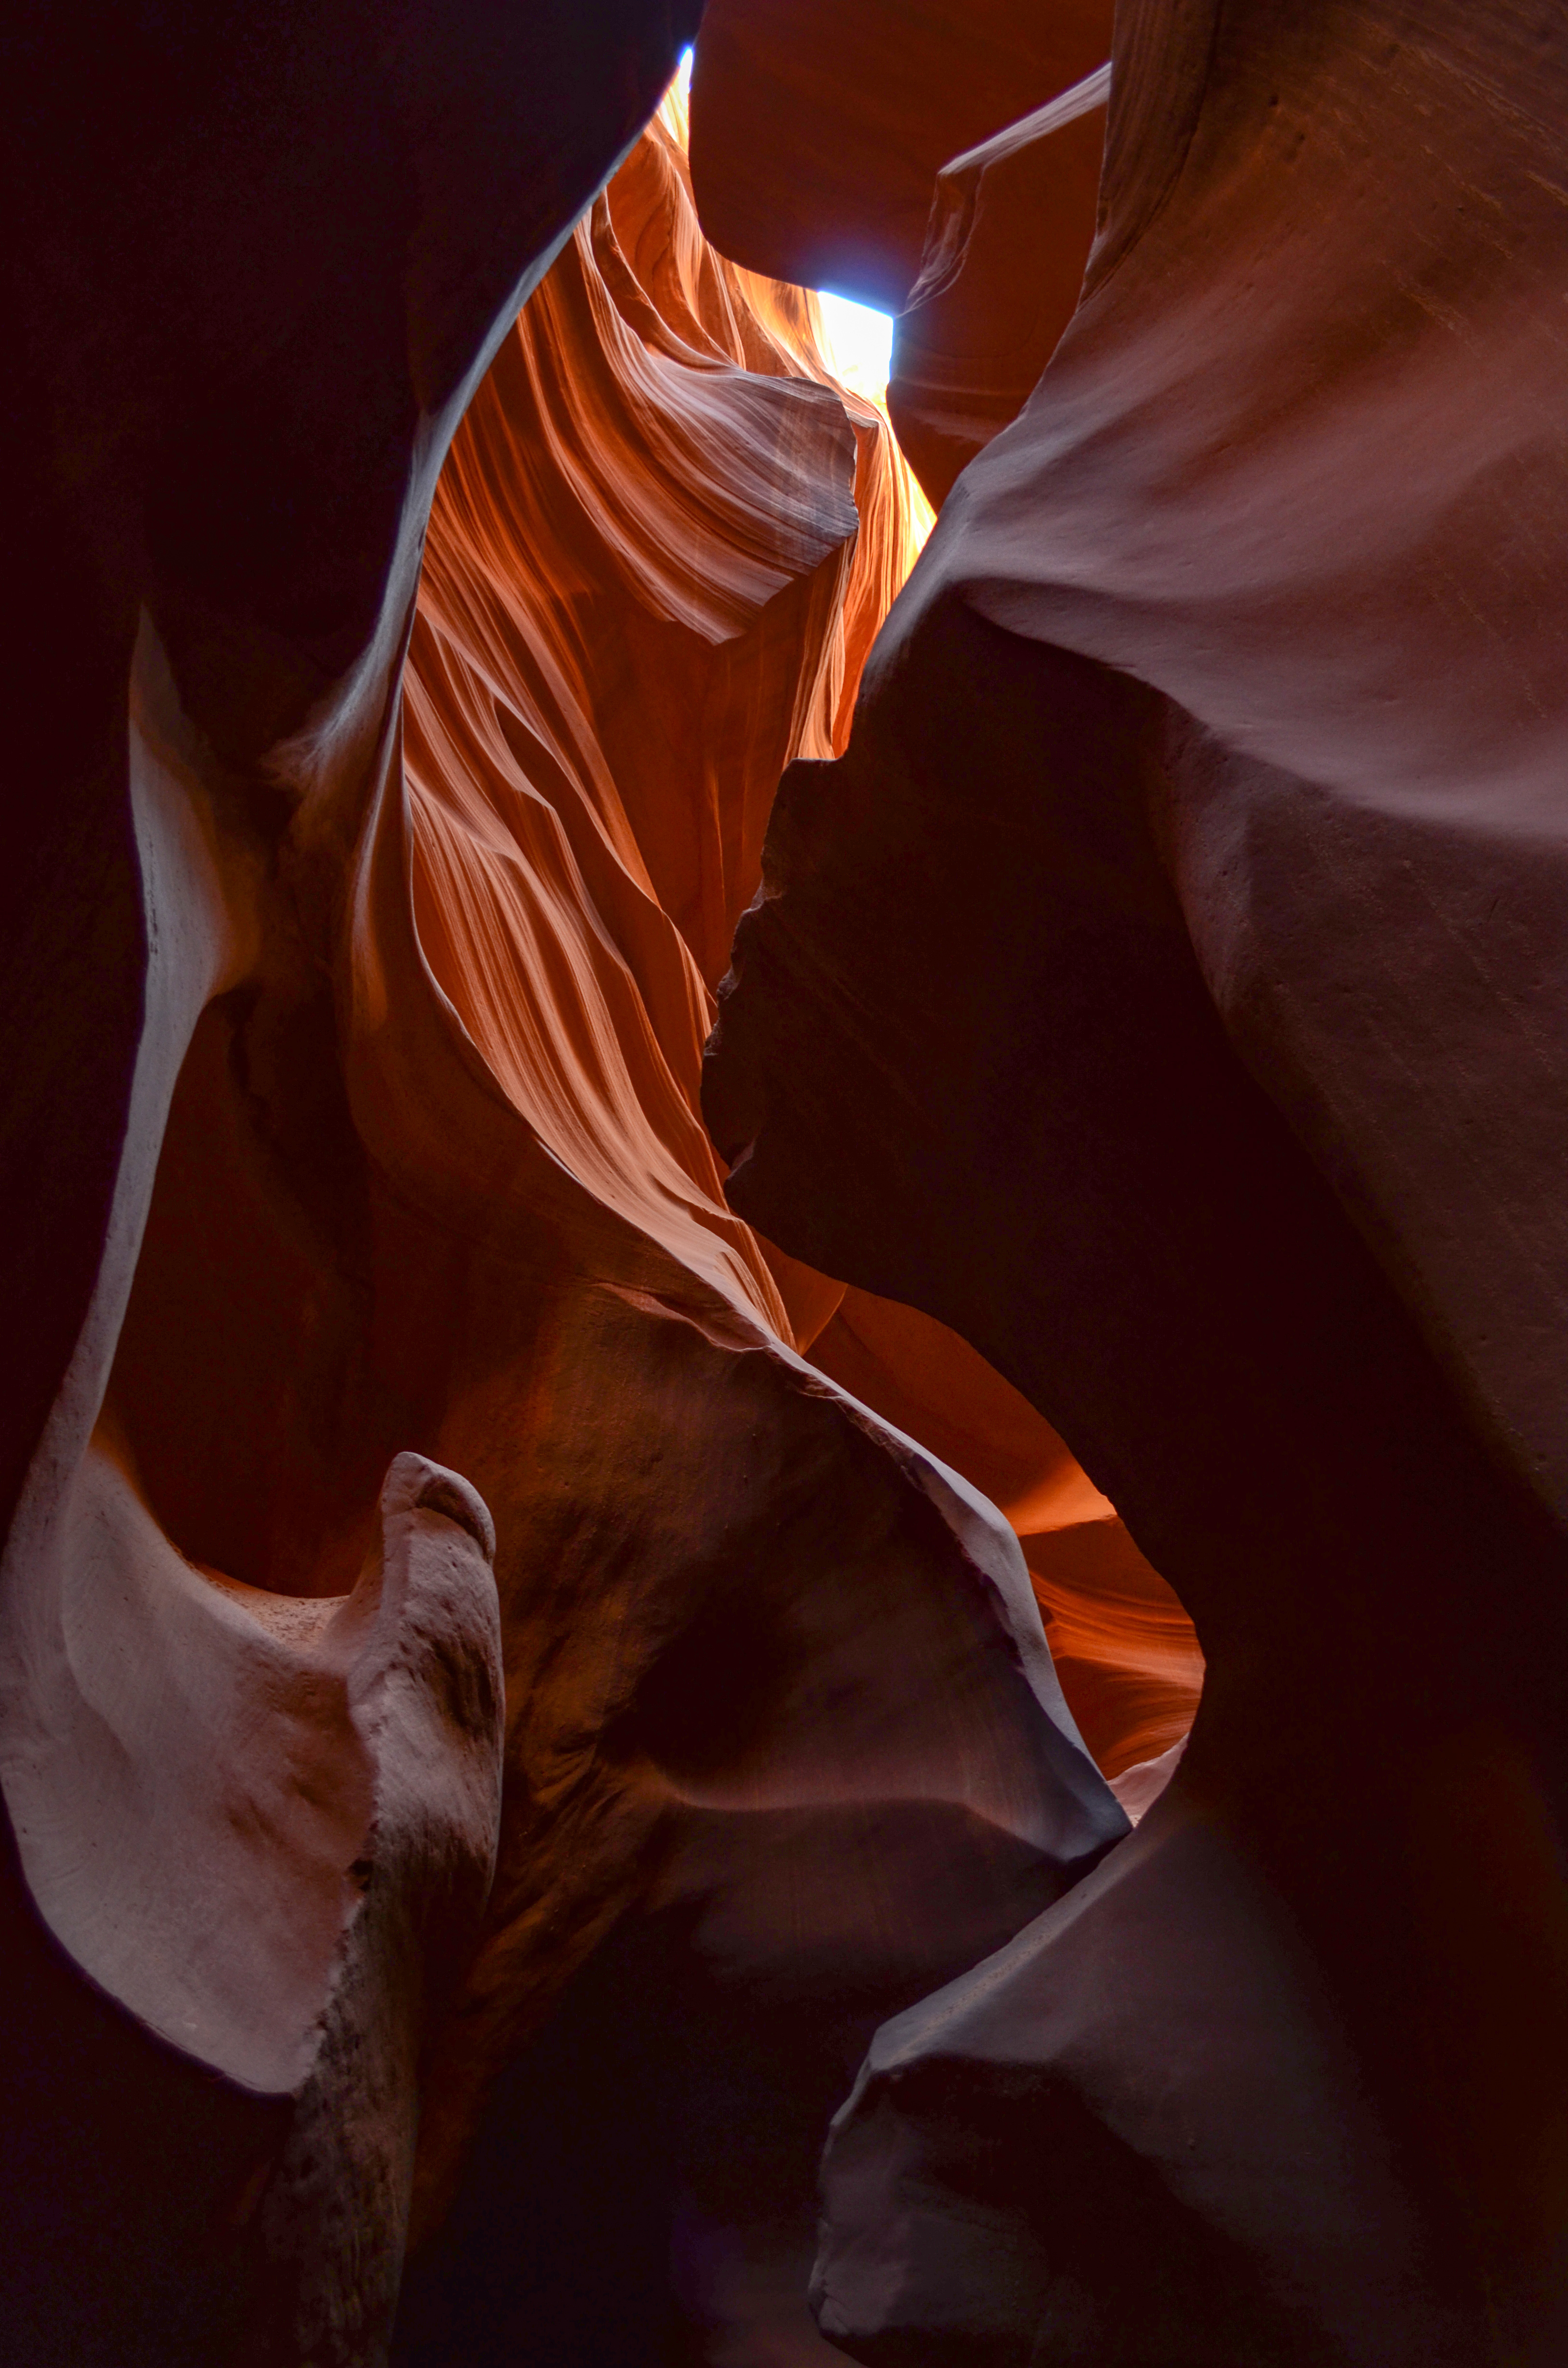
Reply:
x=254, y=270
x=1012, y=222
x=1215, y=744
x=778, y=1697
x=818, y=131
x=1124, y=1649
x=412, y=1416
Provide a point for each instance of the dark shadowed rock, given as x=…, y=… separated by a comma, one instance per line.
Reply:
x=1011, y=225
x=1161, y=991
x=817, y=130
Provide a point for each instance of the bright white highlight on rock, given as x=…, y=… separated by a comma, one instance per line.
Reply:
x=856, y=342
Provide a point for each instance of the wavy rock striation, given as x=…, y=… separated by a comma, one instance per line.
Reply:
x=1214, y=745
x=479, y=1714
x=1124, y=1649
x=231, y=1909
x=760, y=1651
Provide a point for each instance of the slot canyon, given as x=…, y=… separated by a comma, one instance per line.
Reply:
x=785, y=1186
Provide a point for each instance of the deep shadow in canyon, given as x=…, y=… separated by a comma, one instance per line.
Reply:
x=783, y=1450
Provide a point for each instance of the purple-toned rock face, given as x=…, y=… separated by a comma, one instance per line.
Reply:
x=817, y=130
x=1162, y=991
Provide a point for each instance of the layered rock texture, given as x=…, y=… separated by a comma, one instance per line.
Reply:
x=747, y=1665
x=1125, y=1651
x=1216, y=744
x=488, y=1730
x=574, y=1612
x=251, y=1709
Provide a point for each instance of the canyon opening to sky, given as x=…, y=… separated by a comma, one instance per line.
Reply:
x=786, y=1418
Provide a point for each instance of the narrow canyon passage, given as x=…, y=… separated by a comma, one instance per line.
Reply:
x=782, y=1156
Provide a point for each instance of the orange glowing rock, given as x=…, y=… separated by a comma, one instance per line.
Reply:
x=404, y=1350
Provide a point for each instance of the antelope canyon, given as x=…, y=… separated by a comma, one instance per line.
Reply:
x=783, y=1460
